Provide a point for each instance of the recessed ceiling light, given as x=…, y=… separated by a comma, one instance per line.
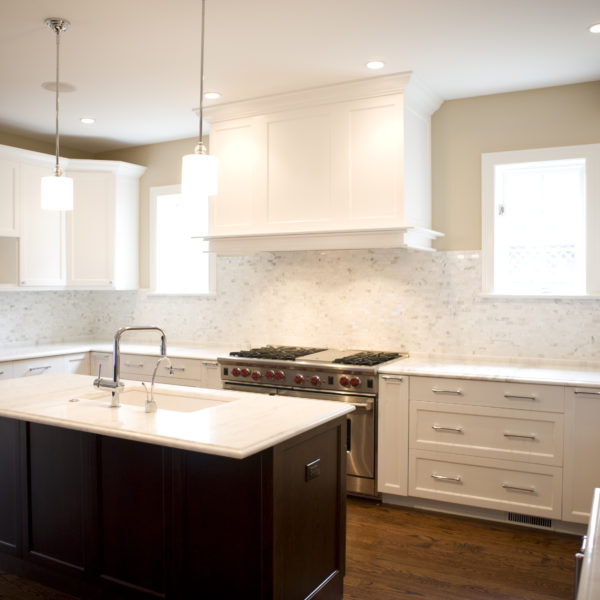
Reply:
x=375, y=64
x=87, y=120
x=595, y=28
x=212, y=95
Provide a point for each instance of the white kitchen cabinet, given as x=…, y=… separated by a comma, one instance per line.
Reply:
x=140, y=367
x=9, y=198
x=42, y=249
x=77, y=363
x=337, y=167
x=102, y=230
x=487, y=444
x=93, y=246
x=38, y=366
x=6, y=370
x=392, y=427
x=582, y=452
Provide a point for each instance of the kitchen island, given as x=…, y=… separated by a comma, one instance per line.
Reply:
x=241, y=498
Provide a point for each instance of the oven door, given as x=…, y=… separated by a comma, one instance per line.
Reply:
x=360, y=440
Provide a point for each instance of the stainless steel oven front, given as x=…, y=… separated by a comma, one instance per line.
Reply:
x=361, y=423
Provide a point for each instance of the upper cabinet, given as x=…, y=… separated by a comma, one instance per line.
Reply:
x=345, y=166
x=93, y=246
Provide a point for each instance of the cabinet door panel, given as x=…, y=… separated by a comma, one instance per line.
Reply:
x=9, y=206
x=57, y=463
x=10, y=505
x=90, y=229
x=42, y=256
x=299, y=187
x=582, y=449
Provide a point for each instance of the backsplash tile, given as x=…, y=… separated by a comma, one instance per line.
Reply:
x=380, y=299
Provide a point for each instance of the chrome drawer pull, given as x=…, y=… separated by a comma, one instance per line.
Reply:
x=133, y=365
x=171, y=369
x=440, y=428
x=210, y=364
x=587, y=392
x=507, y=486
x=517, y=397
x=446, y=478
x=439, y=391
x=392, y=378
x=44, y=368
x=523, y=436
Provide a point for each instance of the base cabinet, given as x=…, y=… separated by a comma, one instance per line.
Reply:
x=104, y=517
x=582, y=449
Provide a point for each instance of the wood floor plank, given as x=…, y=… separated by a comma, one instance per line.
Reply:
x=398, y=553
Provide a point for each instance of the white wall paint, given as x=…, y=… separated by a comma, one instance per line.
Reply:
x=378, y=299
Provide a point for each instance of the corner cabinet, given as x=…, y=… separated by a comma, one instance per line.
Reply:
x=93, y=246
x=344, y=166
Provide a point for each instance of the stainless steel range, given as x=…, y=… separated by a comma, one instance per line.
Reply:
x=324, y=374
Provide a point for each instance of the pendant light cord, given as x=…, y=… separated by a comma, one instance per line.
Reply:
x=200, y=141
x=57, y=168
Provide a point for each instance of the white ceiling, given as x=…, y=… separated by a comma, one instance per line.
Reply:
x=135, y=63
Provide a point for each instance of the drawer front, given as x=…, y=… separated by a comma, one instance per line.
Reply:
x=186, y=371
x=506, y=434
x=104, y=359
x=137, y=366
x=39, y=366
x=487, y=483
x=521, y=396
x=6, y=370
x=78, y=363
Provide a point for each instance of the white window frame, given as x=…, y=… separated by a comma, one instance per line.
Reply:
x=166, y=190
x=591, y=154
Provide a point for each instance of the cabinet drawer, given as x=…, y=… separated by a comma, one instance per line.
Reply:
x=528, y=436
x=78, y=363
x=183, y=370
x=488, y=483
x=137, y=366
x=39, y=366
x=488, y=393
x=6, y=370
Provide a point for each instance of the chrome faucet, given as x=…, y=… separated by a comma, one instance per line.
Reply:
x=116, y=384
x=151, y=405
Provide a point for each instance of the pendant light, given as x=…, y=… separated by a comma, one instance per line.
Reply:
x=199, y=170
x=57, y=190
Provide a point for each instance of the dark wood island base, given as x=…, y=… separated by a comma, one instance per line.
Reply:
x=105, y=517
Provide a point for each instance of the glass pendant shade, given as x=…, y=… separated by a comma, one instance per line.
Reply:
x=199, y=175
x=57, y=193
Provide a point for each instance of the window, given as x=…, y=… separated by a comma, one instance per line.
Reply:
x=541, y=218
x=179, y=258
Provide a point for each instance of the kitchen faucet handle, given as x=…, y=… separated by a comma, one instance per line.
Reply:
x=97, y=380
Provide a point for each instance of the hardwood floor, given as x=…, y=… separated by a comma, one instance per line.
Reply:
x=400, y=553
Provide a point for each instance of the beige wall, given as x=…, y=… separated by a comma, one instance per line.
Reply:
x=19, y=141
x=463, y=129
x=164, y=168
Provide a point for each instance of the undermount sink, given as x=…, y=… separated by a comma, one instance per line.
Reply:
x=180, y=401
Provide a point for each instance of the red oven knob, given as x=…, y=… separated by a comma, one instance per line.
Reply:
x=315, y=380
x=355, y=381
x=244, y=372
x=270, y=374
x=344, y=380
x=256, y=375
x=279, y=374
x=235, y=372
x=299, y=379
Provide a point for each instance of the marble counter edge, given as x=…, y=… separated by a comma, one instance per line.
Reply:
x=31, y=413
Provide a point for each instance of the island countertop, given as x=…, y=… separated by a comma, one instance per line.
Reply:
x=232, y=424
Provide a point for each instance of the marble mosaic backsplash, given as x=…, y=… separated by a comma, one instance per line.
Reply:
x=374, y=299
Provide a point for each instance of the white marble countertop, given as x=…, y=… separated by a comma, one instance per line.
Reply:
x=589, y=582
x=237, y=424
x=524, y=370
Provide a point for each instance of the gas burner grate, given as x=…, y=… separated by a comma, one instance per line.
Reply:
x=276, y=352
x=368, y=359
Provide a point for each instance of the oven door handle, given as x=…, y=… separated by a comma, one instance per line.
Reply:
x=365, y=405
